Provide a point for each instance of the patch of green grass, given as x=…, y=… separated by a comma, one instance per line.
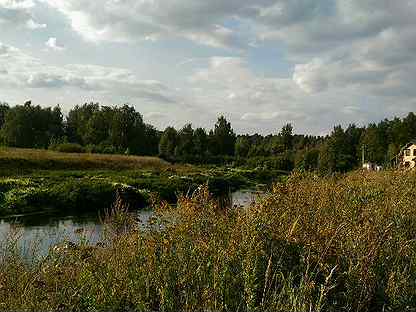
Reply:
x=94, y=190
x=37, y=180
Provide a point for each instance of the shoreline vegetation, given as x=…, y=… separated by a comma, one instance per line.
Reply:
x=340, y=243
x=41, y=180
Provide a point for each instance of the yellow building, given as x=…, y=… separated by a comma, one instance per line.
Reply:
x=409, y=155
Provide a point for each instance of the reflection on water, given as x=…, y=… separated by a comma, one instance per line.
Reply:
x=35, y=234
x=245, y=198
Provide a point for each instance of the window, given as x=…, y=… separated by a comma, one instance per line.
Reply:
x=414, y=152
x=407, y=152
x=407, y=164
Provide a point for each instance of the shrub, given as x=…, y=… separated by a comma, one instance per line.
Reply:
x=69, y=148
x=102, y=149
x=279, y=162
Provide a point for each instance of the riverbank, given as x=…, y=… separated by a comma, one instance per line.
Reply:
x=343, y=243
x=30, y=188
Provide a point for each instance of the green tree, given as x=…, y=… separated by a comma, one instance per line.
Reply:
x=287, y=136
x=392, y=152
x=242, y=146
x=185, y=145
x=410, y=125
x=4, y=108
x=307, y=159
x=126, y=126
x=77, y=122
x=32, y=126
x=98, y=126
x=167, y=144
x=352, y=144
x=200, y=143
x=335, y=154
x=222, y=138
x=149, y=143
x=397, y=132
x=374, y=145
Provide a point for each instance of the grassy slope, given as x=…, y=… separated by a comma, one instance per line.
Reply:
x=26, y=159
x=344, y=243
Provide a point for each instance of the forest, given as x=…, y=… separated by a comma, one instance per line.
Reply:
x=94, y=128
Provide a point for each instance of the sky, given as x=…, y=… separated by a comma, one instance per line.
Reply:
x=262, y=64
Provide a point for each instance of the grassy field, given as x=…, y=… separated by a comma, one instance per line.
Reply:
x=344, y=243
x=34, y=159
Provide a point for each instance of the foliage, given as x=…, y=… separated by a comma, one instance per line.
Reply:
x=185, y=146
x=344, y=243
x=222, y=138
x=122, y=130
x=68, y=148
x=287, y=136
x=111, y=129
x=168, y=142
x=242, y=147
x=31, y=126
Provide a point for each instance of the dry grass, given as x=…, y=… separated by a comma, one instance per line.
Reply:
x=50, y=160
x=345, y=243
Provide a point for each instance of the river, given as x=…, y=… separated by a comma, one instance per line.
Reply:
x=35, y=234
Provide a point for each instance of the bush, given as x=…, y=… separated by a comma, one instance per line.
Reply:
x=279, y=162
x=102, y=149
x=64, y=195
x=68, y=148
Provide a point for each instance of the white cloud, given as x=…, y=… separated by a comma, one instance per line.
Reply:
x=129, y=20
x=17, y=4
x=16, y=13
x=310, y=77
x=31, y=24
x=53, y=45
x=154, y=115
x=24, y=71
x=334, y=43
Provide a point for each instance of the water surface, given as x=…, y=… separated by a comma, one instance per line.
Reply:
x=36, y=233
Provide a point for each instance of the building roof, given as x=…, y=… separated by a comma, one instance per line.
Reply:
x=411, y=142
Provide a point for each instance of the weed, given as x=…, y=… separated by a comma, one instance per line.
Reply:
x=343, y=243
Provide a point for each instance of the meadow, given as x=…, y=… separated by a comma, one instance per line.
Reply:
x=340, y=243
x=20, y=160
x=34, y=181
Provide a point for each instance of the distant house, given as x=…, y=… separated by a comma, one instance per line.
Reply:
x=407, y=156
x=372, y=167
x=368, y=166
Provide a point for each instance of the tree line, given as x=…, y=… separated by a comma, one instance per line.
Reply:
x=121, y=130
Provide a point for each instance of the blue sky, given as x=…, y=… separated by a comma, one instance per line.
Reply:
x=314, y=63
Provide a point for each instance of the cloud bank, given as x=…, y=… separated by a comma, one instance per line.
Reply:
x=345, y=60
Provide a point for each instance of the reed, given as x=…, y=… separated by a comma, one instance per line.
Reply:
x=343, y=243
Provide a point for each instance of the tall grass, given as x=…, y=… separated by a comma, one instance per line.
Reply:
x=344, y=243
x=50, y=160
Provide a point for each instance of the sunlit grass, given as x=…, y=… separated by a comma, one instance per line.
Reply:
x=46, y=159
x=343, y=243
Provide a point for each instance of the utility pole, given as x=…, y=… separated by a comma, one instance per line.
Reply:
x=363, y=154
